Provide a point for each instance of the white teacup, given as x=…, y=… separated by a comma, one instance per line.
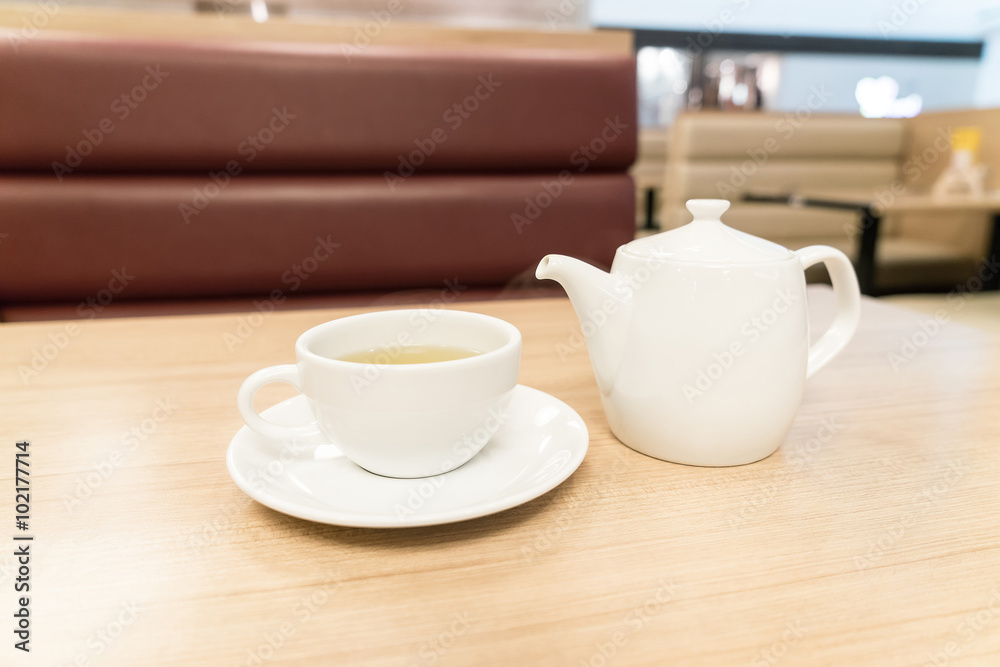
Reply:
x=399, y=420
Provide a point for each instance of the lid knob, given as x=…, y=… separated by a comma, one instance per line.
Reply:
x=707, y=209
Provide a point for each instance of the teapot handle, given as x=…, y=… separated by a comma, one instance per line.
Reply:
x=848, y=294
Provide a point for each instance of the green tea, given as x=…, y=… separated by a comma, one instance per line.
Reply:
x=409, y=354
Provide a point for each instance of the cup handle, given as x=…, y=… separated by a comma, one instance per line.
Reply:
x=287, y=373
x=845, y=288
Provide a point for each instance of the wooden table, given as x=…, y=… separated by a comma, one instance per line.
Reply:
x=872, y=537
x=871, y=212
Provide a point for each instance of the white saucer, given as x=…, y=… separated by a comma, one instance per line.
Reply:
x=542, y=443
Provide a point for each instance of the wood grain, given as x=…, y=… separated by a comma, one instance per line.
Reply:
x=27, y=18
x=877, y=546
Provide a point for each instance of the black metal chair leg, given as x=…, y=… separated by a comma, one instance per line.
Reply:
x=993, y=281
x=650, y=208
x=870, y=223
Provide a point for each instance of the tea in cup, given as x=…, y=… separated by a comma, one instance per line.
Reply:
x=402, y=393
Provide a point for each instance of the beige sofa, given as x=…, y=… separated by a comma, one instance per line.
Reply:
x=726, y=155
x=649, y=172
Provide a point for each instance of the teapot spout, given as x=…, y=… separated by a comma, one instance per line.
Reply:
x=602, y=302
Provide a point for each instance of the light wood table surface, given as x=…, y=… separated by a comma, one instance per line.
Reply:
x=872, y=542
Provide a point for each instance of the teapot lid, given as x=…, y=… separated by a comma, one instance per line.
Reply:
x=706, y=240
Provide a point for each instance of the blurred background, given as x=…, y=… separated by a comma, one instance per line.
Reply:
x=870, y=125
x=731, y=54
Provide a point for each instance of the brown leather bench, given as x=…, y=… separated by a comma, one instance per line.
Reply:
x=243, y=170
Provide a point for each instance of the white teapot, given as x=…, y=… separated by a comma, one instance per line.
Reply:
x=699, y=337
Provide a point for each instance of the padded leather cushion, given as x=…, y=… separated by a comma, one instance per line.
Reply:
x=786, y=222
x=726, y=178
x=707, y=135
x=211, y=103
x=260, y=233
